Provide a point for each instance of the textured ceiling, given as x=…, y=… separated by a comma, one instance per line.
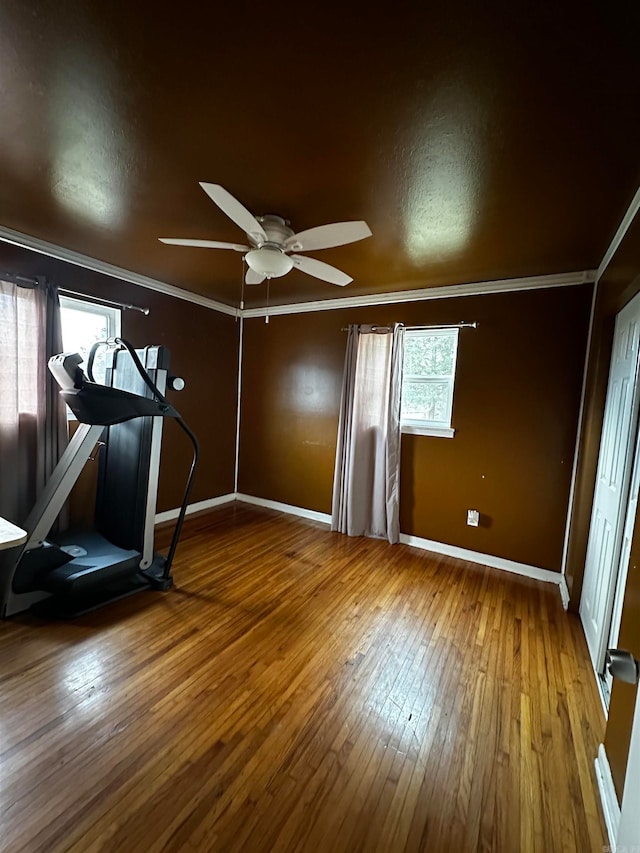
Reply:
x=478, y=140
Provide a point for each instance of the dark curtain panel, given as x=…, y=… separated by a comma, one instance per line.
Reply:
x=33, y=425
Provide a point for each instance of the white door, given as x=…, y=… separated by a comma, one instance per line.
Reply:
x=628, y=837
x=612, y=484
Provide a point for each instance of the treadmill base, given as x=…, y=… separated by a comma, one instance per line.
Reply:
x=71, y=606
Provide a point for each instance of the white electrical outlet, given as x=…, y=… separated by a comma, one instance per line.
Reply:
x=473, y=517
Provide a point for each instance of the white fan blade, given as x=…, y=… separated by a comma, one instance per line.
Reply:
x=327, y=236
x=321, y=270
x=204, y=244
x=234, y=210
x=253, y=277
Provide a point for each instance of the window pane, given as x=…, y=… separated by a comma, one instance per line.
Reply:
x=428, y=401
x=19, y=350
x=429, y=355
x=80, y=330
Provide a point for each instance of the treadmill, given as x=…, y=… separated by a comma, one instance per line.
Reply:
x=72, y=572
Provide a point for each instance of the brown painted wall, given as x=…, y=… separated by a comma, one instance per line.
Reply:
x=515, y=413
x=204, y=351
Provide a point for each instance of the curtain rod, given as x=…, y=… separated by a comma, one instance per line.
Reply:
x=100, y=301
x=420, y=328
x=39, y=281
x=23, y=280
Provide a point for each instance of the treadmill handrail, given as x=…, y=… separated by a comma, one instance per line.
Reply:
x=96, y=404
x=100, y=404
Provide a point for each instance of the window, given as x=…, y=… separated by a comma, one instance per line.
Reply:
x=427, y=383
x=21, y=348
x=84, y=323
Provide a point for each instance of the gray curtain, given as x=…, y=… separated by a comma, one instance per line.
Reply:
x=33, y=424
x=366, y=485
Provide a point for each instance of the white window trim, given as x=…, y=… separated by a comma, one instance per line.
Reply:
x=408, y=428
x=78, y=304
x=114, y=320
x=434, y=428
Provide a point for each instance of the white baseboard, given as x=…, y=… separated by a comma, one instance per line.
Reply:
x=484, y=559
x=430, y=545
x=301, y=512
x=608, y=796
x=171, y=514
x=416, y=541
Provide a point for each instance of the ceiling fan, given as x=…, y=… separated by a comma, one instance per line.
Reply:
x=271, y=241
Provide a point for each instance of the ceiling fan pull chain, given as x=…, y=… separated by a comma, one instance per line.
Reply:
x=242, y=285
x=266, y=316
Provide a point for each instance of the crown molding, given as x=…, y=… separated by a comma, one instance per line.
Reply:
x=60, y=253
x=618, y=237
x=35, y=244
x=424, y=294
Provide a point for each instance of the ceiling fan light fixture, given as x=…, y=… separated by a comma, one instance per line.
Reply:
x=269, y=262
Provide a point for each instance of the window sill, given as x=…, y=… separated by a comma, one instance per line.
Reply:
x=439, y=432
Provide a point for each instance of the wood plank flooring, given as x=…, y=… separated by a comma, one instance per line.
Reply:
x=300, y=690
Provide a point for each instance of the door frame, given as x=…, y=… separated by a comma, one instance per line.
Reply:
x=618, y=572
x=628, y=830
x=620, y=584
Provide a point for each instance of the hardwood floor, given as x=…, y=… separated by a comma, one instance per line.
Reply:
x=300, y=690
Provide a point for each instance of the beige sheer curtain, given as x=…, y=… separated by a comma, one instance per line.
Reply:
x=33, y=427
x=366, y=485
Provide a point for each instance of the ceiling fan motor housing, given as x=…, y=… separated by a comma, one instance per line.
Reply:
x=276, y=229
